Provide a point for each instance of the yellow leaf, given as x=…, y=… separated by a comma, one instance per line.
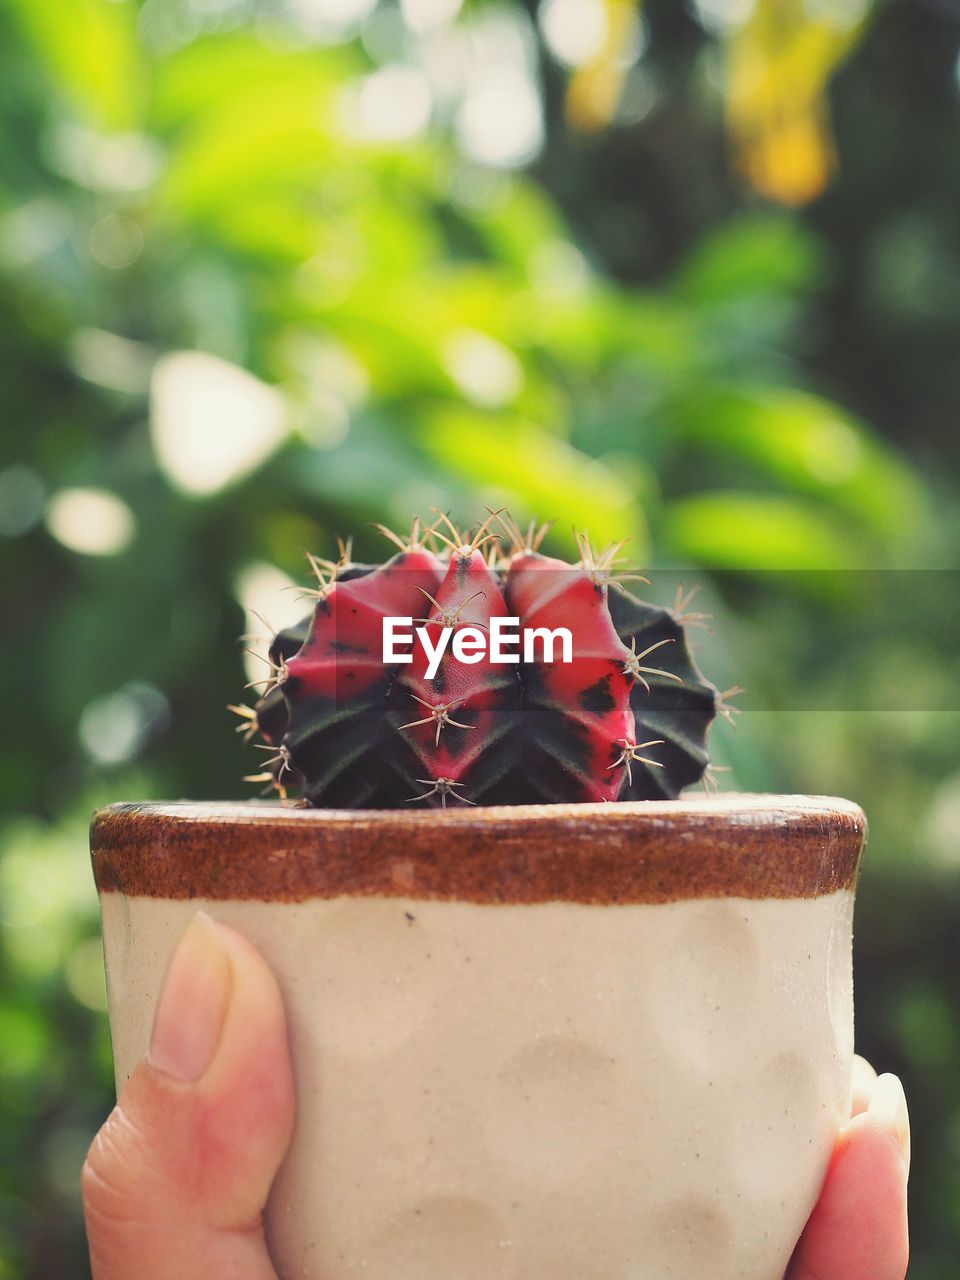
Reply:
x=779, y=62
x=595, y=87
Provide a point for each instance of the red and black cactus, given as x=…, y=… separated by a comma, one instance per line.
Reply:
x=625, y=719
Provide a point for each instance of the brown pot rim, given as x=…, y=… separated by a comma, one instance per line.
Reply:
x=726, y=846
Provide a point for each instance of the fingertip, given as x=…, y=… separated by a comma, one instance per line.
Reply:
x=193, y=1003
x=888, y=1108
x=858, y=1229
x=863, y=1078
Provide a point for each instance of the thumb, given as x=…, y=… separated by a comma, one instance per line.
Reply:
x=175, y=1181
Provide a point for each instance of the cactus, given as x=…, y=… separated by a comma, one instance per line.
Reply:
x=625, y=719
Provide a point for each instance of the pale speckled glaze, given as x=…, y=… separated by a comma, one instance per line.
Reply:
x=517, y=1091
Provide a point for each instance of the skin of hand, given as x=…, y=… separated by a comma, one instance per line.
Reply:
x=176, y=1180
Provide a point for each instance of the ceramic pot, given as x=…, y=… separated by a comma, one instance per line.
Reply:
x=589, y=1042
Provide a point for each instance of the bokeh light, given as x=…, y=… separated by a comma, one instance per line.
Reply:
x=92, y=522
x=574, y=30
x=211, y=421
x=115, y=728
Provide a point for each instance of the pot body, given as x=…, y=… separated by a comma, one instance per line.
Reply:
x=500, y=1083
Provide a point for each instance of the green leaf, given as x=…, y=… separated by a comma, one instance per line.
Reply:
x=749, y=531
x=811, y=446
x=519, y=464
x=270, y=225
x=90, y=50
x=211, y=73
x=752, y=255
x=602, y=324
x=266, y=138
x=522, y=226
x=277, y=126
x=26, y=1043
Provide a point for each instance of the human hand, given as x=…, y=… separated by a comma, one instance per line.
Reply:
x=176, y=1180
x=858, y=1230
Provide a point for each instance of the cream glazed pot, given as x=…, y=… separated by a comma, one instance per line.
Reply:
x=585, y=1042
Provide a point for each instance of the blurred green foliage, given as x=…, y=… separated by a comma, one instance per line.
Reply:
x=268, y=274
